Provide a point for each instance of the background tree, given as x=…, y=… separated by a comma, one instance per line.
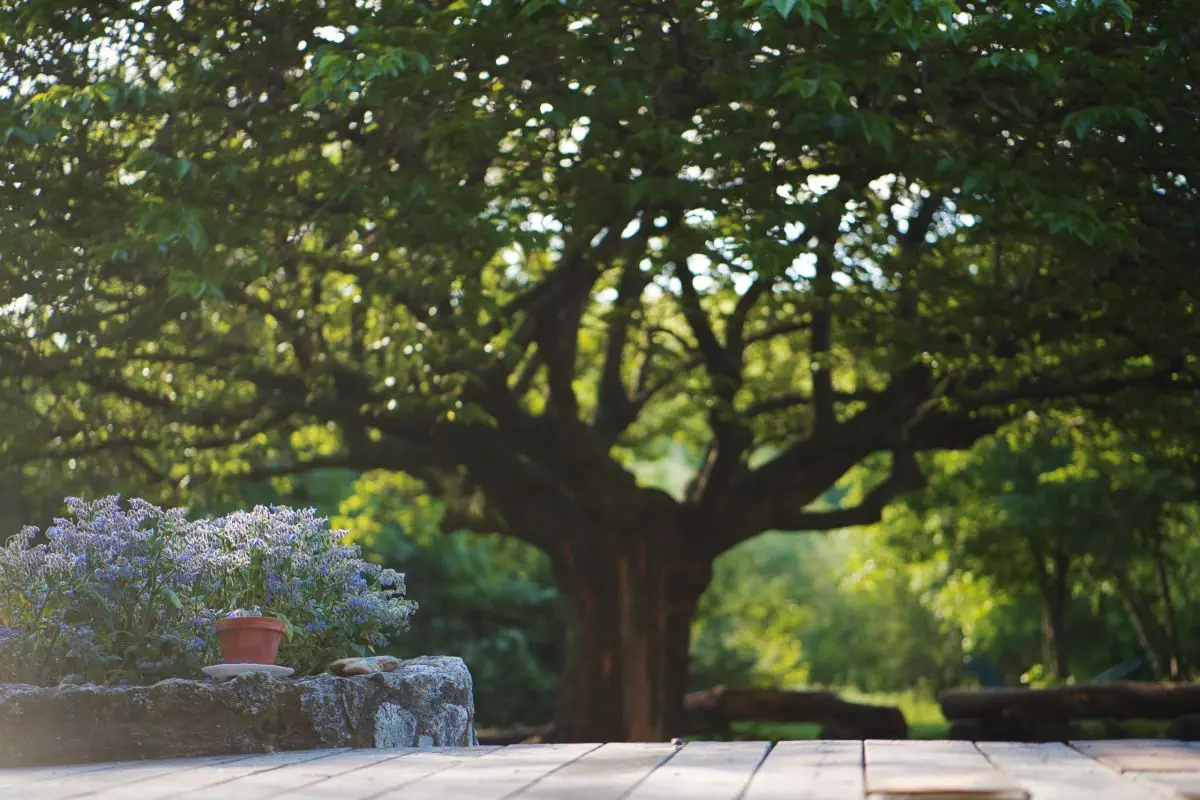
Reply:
x=502, y=247
x=1065, y=512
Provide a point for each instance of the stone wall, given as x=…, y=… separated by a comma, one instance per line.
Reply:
x=253, y=713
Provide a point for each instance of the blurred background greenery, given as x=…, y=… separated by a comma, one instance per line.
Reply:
x=950, y=589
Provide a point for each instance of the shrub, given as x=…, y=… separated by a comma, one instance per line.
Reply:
x=131, y=593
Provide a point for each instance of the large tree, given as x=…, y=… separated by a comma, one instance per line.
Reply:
x=500, y=246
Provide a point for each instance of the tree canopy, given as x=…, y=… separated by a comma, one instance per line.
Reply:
x=504, y=247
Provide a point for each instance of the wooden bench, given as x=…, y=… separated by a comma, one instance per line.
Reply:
x=1028, y=715
x=713, y=711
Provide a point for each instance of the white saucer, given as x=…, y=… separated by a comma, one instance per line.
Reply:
x=230, y=670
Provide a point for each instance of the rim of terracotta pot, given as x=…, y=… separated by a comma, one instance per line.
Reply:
x=268, y=623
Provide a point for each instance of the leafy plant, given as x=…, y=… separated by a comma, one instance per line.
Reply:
x=131, y=593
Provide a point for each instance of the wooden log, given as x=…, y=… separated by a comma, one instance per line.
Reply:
x=1005, y=729
x=1061, y=704
x=1185, y=727
x=712, y=710
x=519, y=734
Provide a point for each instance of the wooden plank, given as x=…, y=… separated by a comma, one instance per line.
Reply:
x=945, y=770
x=1143, y=755
x=704, y=771
x=292, y=778
x=26, y=776
x=203, y=779
x=1053, y=771
x=1184, y=785
x=387, y=776
x=498, y=774
x=607, y=773
x=122, y=775
x=810, y=771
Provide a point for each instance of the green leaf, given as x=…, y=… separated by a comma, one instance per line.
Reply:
x=877, y=129
x=141, y=160
x=26, y=136
x=173, y=598
x=193, y=231
x=1138, y=118
x=784, y=7
x=806, y=87
x=289, y=630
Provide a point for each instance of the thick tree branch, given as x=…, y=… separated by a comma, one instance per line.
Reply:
x=790, y=401
x=1170, y=379
x=711, y=351
x=821, y=335
x=555, y=308
x=811, y=462
x=735, y=327
x=613, y=404
x=731, y=438
x=905, y=476
x=912, y=244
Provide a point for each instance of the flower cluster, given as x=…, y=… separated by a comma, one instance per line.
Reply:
x=132, y=592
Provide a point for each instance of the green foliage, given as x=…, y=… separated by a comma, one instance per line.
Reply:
x=507, y=249
x=790, y=611
x=1116, y=517
x=227, y=229
x=487, y=599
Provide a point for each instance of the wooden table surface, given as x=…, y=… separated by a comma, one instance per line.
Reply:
x=841, y=770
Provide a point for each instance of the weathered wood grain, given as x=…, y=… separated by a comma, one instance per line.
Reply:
x=1183, y=785
x=607, y=773
x=124, y=775
x=387, y=775
x=942, y=769
x=1055, y=771
x=809, y=771
x=704, y=771
x=279, y=782
x=30, y=776
x=1143, y=755
x=208, y=780
x=496, y=775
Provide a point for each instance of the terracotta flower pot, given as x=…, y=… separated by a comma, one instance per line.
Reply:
x=250, y=640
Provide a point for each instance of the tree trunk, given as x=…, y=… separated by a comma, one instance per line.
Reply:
x=629, y=602
x=1140, y=620
x=1175, y=659
x=1054, y=601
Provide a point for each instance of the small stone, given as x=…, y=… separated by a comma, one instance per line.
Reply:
x=364, y=666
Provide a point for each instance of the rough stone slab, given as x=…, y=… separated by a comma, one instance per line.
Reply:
x=253, y=713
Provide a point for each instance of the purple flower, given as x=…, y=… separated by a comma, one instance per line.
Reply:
x=274, y=560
